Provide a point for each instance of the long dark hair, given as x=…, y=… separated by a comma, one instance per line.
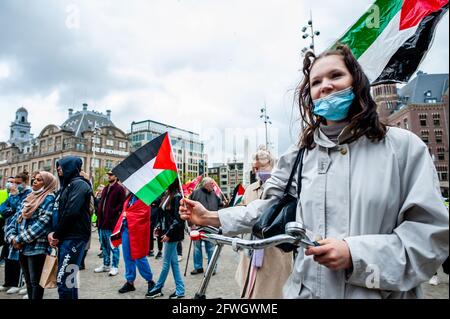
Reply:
x=363, y=114
x=170, y=193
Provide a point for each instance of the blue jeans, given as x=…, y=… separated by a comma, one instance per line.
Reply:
x=70, y=254
x=170, y=259
x=130, y=265
x=198, y=255
x=107, y=249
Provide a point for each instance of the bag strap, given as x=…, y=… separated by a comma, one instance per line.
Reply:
x=298, y=160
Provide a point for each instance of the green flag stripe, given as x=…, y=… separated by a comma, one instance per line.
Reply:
x=156, y=186
x=367, y=29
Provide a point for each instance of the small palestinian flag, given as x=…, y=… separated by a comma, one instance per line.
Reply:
x=150, y=170
x=392, y=38
x=239, y=195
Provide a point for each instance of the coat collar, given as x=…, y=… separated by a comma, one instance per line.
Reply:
x=322, y=140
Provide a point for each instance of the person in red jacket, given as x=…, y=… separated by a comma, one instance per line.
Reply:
x=108, y=212
x=133, y=232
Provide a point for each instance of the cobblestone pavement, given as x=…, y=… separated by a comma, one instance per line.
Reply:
x=222, y=285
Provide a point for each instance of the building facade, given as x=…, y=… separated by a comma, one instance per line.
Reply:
x=227, y=176
x=421, y=107
x=87, y=134
x=187, y=147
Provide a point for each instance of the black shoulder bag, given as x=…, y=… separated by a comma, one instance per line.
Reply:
x=272, y=222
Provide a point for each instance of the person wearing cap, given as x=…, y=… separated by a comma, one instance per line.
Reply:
x=108, y=212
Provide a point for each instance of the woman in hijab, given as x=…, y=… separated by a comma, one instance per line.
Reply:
x=28, y=230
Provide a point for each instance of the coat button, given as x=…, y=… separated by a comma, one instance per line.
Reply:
x=343, y=151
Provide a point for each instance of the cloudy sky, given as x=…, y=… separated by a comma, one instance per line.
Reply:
x=205, y=66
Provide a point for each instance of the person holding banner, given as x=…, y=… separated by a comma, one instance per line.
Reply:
x=28, y=228
x=371, y=192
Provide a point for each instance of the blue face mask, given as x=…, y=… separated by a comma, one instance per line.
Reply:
x=335, y=106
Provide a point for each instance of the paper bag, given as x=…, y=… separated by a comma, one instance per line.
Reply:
x=49, y=272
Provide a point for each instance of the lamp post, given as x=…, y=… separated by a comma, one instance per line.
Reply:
x=309, y=34
x=95, y=131
x=266, y=120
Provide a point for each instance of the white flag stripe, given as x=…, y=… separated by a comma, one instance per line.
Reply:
x=377, y=56
x=142, y=177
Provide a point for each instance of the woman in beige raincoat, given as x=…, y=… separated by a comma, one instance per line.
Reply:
x=261, y=273
x=370, y=191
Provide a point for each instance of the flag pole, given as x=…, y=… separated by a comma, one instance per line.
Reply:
x=187, y=228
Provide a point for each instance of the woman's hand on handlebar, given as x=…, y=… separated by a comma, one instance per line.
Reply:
x=197, y=214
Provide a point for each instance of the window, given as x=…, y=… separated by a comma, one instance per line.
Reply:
x=80, y=147
x=109, y=164
x=436, y=119
x=405, y=124
x=96, y=162
x=442, y=171
x=441, y=153
x=438, y=136
x=122, y=145
x=109, y=143
x=423, y=119
x=424, y=134
x=96, y=140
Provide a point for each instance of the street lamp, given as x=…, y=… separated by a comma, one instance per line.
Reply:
x=311, y=34
x=95, y=131
x=266, y=120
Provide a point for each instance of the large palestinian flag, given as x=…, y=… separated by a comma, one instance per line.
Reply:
x=150, y=170
x=392, y=38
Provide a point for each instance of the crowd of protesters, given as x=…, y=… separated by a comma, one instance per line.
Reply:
x=60, y=213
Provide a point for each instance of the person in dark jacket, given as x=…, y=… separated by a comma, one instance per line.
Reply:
x=72, y=227
x=205, y=195
x=108, y=212
x=171, y=226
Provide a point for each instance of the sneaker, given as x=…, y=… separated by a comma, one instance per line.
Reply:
x=100, y=255
x=175, y=296
x=151, y=254
x=127, y=287
x=151, y=284
x=434, y=281
x=158, y=255
x=13, y=290
x=102, y=268
x=154, y=293
x=3, y=288
x=197, y=271
x=25, y=296
x=23, y=291
x=114, y=271
x=180, y=258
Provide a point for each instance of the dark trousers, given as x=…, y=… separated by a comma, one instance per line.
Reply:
x=70, y=254
x=158, y=240
x=179, y=249
x=32, y=269
x=445, y=266
x=12, y=270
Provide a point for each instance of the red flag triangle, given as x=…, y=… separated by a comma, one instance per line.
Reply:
x=413, y=11
x=164, y=159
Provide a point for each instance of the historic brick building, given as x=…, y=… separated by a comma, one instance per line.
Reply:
x=89, y=135
x=421, y=106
